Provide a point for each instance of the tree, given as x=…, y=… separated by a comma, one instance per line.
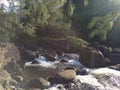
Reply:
x=9, y=25
x=101, y=25
x=37, y=15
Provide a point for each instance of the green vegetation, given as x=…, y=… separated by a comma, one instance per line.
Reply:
x=59, y=19
x=4, y=75
x=9, y=26
x=101, y=25
x=3, y=59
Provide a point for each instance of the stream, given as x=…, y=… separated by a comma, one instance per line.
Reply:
x=96, y=79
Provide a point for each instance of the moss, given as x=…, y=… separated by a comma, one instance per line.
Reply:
x=76, y=41
x=61, y=43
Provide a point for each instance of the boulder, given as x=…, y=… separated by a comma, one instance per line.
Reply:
x=49, y=57
x=90, y=57
x=83, y=71
x=63, y=76
x=38, y=83
x=63, y=60
x=13, y=52
x=50, y=54
x=26, y=54
x=34, y=71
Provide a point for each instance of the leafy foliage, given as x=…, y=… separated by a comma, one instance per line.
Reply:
x=9, y=25
x=38, y=15
x=70, y=8
x=101, y=25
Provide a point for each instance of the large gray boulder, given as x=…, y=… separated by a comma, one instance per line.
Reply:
x=13, y=52
x=38, y=71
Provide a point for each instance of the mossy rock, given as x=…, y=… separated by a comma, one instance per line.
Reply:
x=68, y=43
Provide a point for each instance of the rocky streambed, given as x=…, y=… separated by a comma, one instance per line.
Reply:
x=66, y=71
x=98, y=79
x=71, y=75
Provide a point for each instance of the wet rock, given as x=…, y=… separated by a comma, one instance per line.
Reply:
x=63, y=76
x=84, y=71
x=50, y=54
x=90, y=57
x=38, y=83
x=35, y=62
x=64, y=60
x=26, y=54
x=105, y=50
x=71, y=56
x=49, y=57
